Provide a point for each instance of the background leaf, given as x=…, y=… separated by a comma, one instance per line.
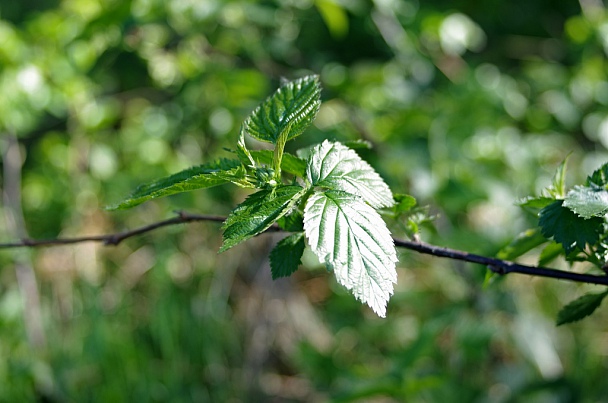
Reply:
x=199, y=177
x=335, y=166
x=587, y=202
x=580, y=308
x=353, y=241
x=567, y=228
x=258, y=212
x=523, y=243
x=293, y=106
x=286, y=256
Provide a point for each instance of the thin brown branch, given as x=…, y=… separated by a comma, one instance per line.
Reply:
x=496, y=265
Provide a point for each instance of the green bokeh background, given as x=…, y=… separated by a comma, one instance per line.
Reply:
x=470, y=107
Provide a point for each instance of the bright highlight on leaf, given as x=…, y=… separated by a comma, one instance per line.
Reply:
x=352, y=239
x=587, y=202
x=335, y=166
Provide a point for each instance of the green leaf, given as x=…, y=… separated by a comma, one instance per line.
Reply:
x=599, y=177
x=291, y=108
x=550, y=253
x=567, y=228
x=199, y=177
x=285, y=257
x=290, y=163
x=353, y=241
x=293, y=222
x=242, y=152
x=258, y=212
x=536, y=202
x=334, y=166
x=403, y=203
x=580, y=308
x=587, y=202
x=524, y=242
x=557, y=190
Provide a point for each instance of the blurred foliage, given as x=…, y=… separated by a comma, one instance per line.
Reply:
x=469, y=106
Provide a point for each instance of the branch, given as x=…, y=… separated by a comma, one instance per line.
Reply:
x=496, y=265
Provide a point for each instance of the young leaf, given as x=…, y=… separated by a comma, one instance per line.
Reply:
x=293, y=106
x=199, y=177
x=353, y=241
x=567, y=228
x=587, y=202
x=557, y=190
x=599, y=177
x=242, y=152
x=403, y=203
x=286, y=255
x=524, y=242
x=335, y=166
x=580, y=308
x=258, y=212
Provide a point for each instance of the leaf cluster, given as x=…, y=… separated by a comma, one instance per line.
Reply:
x=572, y=224
x=326, y=194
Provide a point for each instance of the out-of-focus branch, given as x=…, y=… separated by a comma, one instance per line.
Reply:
x=496, y=265
x=26, y=278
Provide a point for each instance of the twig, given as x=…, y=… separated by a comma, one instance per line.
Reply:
x=496, y=265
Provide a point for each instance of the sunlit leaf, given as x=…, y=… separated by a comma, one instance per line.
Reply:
x=291, y=108
x=353, y=241
x=580, y=308
x=334, y=166
x=587, y=202
x=599, y=177
x=258, y=212
x=199, y=177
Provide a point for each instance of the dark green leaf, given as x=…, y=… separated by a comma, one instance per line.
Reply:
x=199, y=177
x=523, y=243
x=599, y=177
x=293, y=222
x=570, y=230
x=290, y=163
x=580, y=308
x=587, y=202
x=286, y=256
x=292, y=107
x=258, y=212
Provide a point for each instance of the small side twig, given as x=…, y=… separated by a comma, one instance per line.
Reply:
x=496, y=265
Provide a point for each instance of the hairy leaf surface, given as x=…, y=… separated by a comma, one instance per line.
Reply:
x=567, y=228
x=286, y=255
x=587, y=202
x=199, y=177
x=258, y=212
x=353, y=241
x=292, y=108
x=335, y=166
x=580, y=308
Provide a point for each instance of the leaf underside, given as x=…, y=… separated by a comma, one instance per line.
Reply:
x=292, y=107
x=587, y=202
x=258, y=212
x=334, y=166
x=353, y=241
x=580, y=308
x=199, y=177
